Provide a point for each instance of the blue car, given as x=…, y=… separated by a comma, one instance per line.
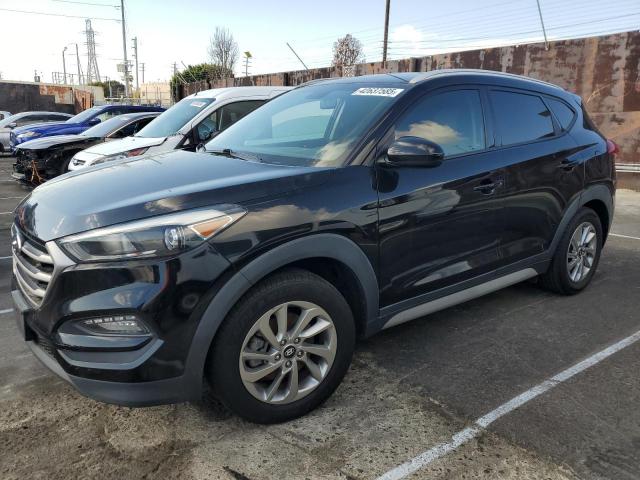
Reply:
x=75, y=125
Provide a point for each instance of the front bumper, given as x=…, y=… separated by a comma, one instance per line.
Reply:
x=169, y=295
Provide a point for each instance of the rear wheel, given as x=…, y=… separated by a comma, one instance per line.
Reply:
x=577, y=255
x=283, y=349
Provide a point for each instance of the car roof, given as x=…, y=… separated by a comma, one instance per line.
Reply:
x=232, y=92
x=38, y=112
x=409, y=79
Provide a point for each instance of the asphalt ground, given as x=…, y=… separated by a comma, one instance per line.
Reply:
x=411, y=390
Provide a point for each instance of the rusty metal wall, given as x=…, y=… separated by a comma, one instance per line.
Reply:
x=21, y=97
x=604, y=71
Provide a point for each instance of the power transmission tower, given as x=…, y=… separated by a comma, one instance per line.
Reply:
x=93, y=73
x=135, y=54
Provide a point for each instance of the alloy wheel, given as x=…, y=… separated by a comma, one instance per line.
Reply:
x=582, y=251
x=288, y=352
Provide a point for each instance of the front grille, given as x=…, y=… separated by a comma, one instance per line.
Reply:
x=32, y=266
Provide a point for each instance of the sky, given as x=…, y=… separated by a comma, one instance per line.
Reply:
x=171, y=31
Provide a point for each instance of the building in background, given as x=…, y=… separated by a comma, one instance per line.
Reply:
x=156, y=93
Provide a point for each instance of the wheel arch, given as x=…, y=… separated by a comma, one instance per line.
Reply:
x=325, y=254
x=597, y=197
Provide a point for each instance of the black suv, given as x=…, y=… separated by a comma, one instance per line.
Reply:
x=338, y=209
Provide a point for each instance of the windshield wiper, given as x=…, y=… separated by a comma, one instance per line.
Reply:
x=227, y=152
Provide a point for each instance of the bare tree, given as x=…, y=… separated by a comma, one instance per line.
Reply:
x=347, y=51
x=223, y=53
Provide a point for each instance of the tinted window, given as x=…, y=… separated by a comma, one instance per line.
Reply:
x=27, y=119
x=520, y=118
x=562, y=112
x=451, y=119
x=56, y=118
x=224, y=117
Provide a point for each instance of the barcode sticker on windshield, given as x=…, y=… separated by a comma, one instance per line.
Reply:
x=379, y=92
x=198, y=104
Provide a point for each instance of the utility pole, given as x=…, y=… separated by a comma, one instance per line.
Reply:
x=64, y=66
x=124, y=51
x=544, y=31
x=247, y=58
x=142, y=68
x=135, y=52
x=78, y=62
x=294, y=52
x=386, y=34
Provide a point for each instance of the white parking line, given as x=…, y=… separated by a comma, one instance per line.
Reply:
x=5, y=258
x=624, y=236
x=480, y=424
x=6, y=310
x=6, y=213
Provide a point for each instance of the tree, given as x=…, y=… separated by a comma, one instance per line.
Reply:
x=117, y=88
x=223, y=52
x=199, y=72
x=347, y=51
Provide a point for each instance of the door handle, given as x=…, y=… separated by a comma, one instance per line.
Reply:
x=487, y=186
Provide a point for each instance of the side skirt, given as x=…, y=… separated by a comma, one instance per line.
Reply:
x=460, y=296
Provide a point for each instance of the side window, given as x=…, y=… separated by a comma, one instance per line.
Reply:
x=125, y=131
x=109, y=114
x=563, y=113
x=207, y=127
x=140, y=124
x=452, y=119
x=28, y=119
x=520, y=117
x=231, y=113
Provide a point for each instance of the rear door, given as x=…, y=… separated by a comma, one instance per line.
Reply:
x=542, y=174
x=439, y=226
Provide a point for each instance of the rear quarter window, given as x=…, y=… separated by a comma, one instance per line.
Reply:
x=564, y=114
x=520, y=117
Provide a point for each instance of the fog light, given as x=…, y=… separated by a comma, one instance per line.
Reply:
x=117, y=324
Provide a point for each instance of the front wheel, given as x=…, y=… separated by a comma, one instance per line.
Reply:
x=577, y=255
x=283, y=349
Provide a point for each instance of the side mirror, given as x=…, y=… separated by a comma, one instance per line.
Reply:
x=200, y=148
x=12, y=125
x=414, y=152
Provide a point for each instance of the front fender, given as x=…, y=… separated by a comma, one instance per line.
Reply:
x=324, y=245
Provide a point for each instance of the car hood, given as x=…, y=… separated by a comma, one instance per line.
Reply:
x=124, y=145
x=43, y=127
x=152, y=185
x=59, y=140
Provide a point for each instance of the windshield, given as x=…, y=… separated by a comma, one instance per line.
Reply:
x=169, y=122
x=105, y=128
x=84, y=116
x=317, y=125
x=8, y=120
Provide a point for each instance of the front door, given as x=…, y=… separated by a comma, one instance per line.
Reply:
x=442, y=225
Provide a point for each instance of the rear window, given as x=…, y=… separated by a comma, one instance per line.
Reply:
x=563, y=113
x=520, y=117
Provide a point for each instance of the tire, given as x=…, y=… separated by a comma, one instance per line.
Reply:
x=273, y=398
x=563, y=277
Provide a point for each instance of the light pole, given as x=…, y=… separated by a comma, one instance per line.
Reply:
x=64, y=66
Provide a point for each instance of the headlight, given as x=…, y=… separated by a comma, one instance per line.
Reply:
x=120, y=156
x=28, y=135
x=159, y=236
